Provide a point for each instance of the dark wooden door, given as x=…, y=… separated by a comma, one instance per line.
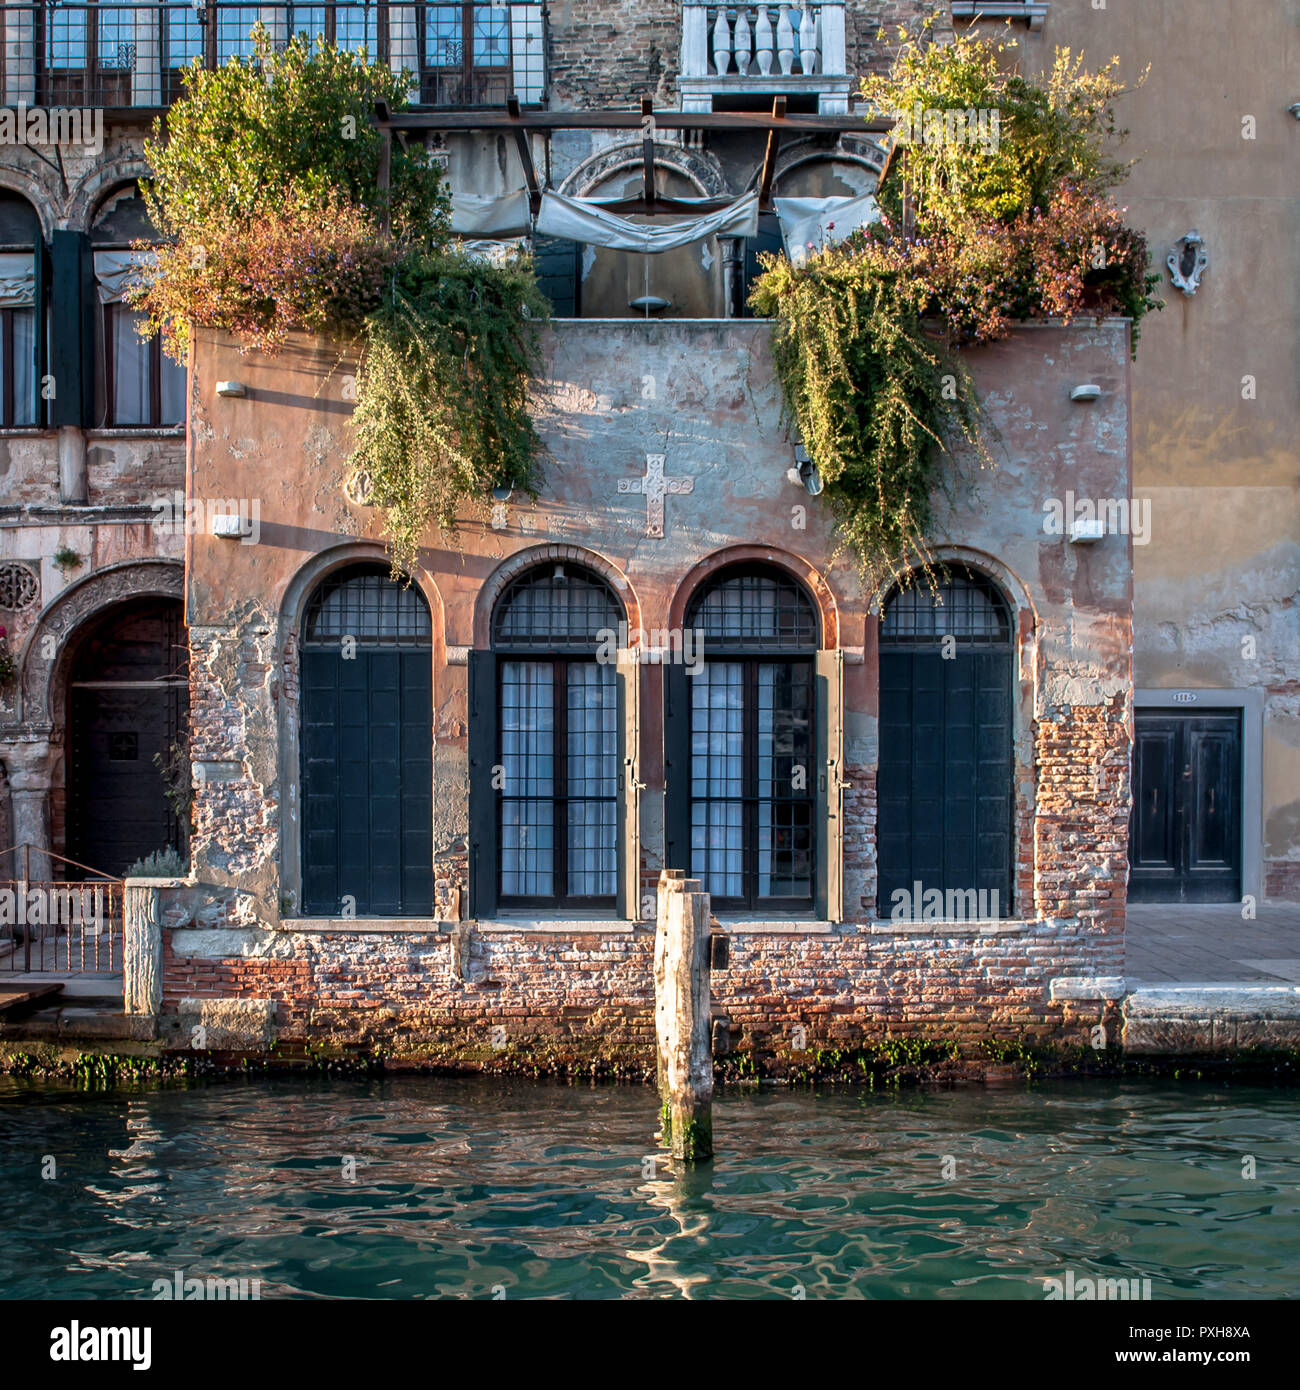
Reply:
x=1185, y=829
x=945, y=774
x=367, y=759
x=127, y=716
x=117, y=809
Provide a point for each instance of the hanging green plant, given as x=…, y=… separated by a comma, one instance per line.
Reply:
x=877, y=400
x=442, y=393
x=996, y=211
x=266, y=188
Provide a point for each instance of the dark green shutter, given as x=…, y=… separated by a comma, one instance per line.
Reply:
x=828, y=715
x=41, y=326
x=72, y=337
x=677, y=768
x=556, y=264
x=629, y=785
x=482, y=795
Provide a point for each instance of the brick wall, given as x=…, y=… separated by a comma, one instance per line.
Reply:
x=612, y=52
x=591, y=994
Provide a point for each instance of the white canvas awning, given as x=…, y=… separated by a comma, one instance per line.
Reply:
x=116, y=270
x=586, y=220
x=818, y=222
x=17, y=279
x=473, y=215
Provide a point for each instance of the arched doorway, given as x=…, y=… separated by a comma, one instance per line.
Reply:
x=944, y=785
x=128, y=728
x=367, y=747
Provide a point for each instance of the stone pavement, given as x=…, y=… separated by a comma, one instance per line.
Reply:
x=1209, y=943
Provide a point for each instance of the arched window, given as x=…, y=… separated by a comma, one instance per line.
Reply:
x=558, y=740
x=21, y=254
x=755, y=769
x=366, y=693
x=139, y=383
x=944, y=785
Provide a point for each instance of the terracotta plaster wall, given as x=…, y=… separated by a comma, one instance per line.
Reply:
x=703, y=395
x=1216, y=408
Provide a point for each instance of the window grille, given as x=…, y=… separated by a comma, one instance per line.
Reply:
x=755, y=609
x=967, y=606
x=557, y=607
x=366, y=604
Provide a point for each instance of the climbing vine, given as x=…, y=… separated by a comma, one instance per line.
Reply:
x=265, y=189
x=995, y=211
x=442, y=397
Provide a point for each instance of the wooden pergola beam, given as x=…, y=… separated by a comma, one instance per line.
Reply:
x=733, y=121
x=769, y=157
x=525, y=154
x=648, y=152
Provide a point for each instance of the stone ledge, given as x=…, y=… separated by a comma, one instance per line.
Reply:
x=1205, y=1001
x=778, y=928
x=950, y=929
x=348, y=926
x=228, y=1023
x=1088, y=987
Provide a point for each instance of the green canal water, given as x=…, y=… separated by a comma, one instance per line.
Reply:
x=426, y=1188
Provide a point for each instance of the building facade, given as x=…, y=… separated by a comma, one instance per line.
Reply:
x=448, y=837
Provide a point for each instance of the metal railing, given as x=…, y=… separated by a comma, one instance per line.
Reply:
x=57, y=54
x=58, y=925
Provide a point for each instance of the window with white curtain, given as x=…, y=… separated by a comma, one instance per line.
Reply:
x=17, y=368
x=145, y=386
x=558, y=740
x=752, y=775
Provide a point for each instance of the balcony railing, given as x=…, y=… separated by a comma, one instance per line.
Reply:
x=763, y=49
x=123, y=56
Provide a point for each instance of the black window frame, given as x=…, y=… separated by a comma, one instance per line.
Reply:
x=560, y=652
x=153, y=347
x=797, y=649
x=7, y=383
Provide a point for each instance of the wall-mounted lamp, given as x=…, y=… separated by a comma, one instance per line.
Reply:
x=503, y=493
x=1088, y=392
x=648, y=304
x=1087, y=532
x=807, y=471
x=231, y=388
x=230, y=526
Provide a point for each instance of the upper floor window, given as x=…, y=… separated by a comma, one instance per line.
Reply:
x=79, y=53
x=139, y=384
x=20, y=238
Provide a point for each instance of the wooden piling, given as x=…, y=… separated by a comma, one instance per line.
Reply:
x=682, y=1020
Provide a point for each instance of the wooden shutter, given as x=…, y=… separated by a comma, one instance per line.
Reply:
x=829, y=745
x=677, y=768
x=482, y=795
x=41, y=326
x=72, y=307
x=629, y=785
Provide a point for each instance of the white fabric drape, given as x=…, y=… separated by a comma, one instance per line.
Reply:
x=116, y=270
x=473, y=215
x=586, y=220
x=17, y=280
x=818, y=222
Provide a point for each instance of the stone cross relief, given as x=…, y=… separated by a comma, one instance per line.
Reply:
x=655, y=487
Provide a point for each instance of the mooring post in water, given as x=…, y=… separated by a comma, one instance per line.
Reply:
x=682, y=1017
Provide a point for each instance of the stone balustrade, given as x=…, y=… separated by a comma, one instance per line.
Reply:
x=764, y=48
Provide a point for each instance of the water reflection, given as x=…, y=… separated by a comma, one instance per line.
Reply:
x=420, y=1188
